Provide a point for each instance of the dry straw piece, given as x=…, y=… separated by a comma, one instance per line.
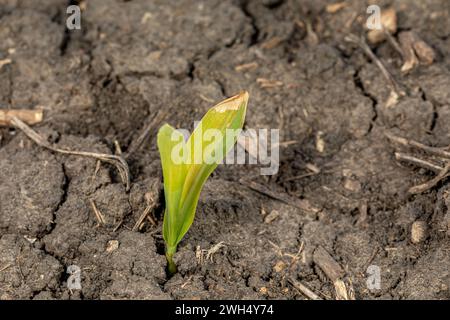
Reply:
x=30, y=117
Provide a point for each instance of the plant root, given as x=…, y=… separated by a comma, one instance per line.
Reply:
x=117, y=161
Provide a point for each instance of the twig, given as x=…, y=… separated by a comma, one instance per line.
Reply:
x=361, y=42
x=118, y=225
x=6, y=267
x=146, y=213
x=28, y=116
x=440, y=152
x=283, y=197
x=246, y=66
x=442, y=173
x=303, y=289
x=294, y=260
x=371, y=258
x=418, y=162
x=431, y=183
x=118, y=149
x=187, y=282
x=115, y=160
x=393, y=42
x=302, y=176
x=145, y=133
x=98, y=214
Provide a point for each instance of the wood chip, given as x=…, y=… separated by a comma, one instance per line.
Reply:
x=424, y=52
x=30, y=117
x=415, y=51
x=267, y=83
x=271, y=216
x=272, y=43
x=320, y=142
x=335, y=7
x=329, y=266
x=4, y=62
x=343, y=291
x=246, y=66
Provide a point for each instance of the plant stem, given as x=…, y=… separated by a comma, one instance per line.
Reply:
x=169, y=256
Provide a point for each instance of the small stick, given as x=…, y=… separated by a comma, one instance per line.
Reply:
x=303, y=289
x=371, y=258
x=418, y=162
x=98, y=214
x=118, y=149
x=294, y=260
x=28, y=116
x=245, y=66
x=6, y=267
x=146, y=213
x=440, y=152
x=145, y=133
x=430, y=184
x=143, y=216
x=393, y=42
x=115, y=160
x=118, y=225
x=361, y=42
x=302, y=176
x=298, y=203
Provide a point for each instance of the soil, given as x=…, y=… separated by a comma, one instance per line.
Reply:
x=134, y=59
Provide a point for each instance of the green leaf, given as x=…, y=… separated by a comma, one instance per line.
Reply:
x=205, y=149
x=174, y=174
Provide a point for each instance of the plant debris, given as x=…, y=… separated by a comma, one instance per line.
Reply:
x=115, y=160
x=30, y=117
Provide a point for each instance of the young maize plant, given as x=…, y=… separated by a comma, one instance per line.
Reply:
x=186, y=165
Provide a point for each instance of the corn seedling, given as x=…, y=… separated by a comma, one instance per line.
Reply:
x=186, y=165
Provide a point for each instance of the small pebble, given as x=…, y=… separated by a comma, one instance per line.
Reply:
x=352, y=185
x=112, y=246
x=271, y=216
x=263, y=290
x=279, y=266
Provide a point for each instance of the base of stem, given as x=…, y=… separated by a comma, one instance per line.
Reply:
x=171, y=266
